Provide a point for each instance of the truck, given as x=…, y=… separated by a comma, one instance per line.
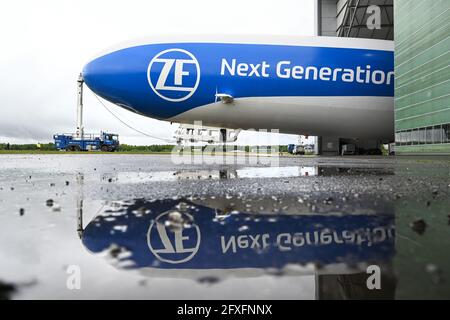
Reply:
x=80, y=141
x=309, y=148
x=296, y=149
x=106, y=142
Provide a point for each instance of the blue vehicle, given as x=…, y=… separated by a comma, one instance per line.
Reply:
x=106, y=142
x=79, y=141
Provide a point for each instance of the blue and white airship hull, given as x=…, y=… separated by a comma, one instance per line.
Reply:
x=301, y=85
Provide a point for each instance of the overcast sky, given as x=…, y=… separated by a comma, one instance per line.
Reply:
x=46, y=43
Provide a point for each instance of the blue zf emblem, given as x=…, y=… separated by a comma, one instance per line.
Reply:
x=174, y=74
x=176, y=245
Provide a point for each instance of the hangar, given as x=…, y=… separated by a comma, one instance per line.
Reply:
x=348, y=18
x=422, y=83
x=422, y=65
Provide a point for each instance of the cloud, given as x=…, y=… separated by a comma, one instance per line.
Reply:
x=46, y=43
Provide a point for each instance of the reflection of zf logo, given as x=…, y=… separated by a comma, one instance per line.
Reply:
x=176, y=245
x=174, y=74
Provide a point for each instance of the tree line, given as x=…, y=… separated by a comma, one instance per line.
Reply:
x=167, y=148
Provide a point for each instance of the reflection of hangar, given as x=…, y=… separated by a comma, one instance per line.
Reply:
x=422, y=85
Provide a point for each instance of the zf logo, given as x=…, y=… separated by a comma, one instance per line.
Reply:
x=174, y=74
x=173, y=245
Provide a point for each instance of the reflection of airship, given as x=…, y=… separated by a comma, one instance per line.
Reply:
x=184, y=234
x=300, y=85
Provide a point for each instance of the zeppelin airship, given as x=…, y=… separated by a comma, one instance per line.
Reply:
x=326, y=86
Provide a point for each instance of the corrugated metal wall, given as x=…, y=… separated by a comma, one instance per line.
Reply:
x=422, y=68
x=327, y=18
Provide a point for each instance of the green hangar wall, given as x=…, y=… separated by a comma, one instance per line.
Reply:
x=422, y=68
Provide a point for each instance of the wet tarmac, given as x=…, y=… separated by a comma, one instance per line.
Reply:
x=140, y=227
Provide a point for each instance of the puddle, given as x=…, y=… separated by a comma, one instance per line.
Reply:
x=203, y=238
x=244, y=173
x=141, y=227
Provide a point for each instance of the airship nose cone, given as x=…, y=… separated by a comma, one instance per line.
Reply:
x=130, y=78
x=95, y=75
x=88, y=72
x=109, y=79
